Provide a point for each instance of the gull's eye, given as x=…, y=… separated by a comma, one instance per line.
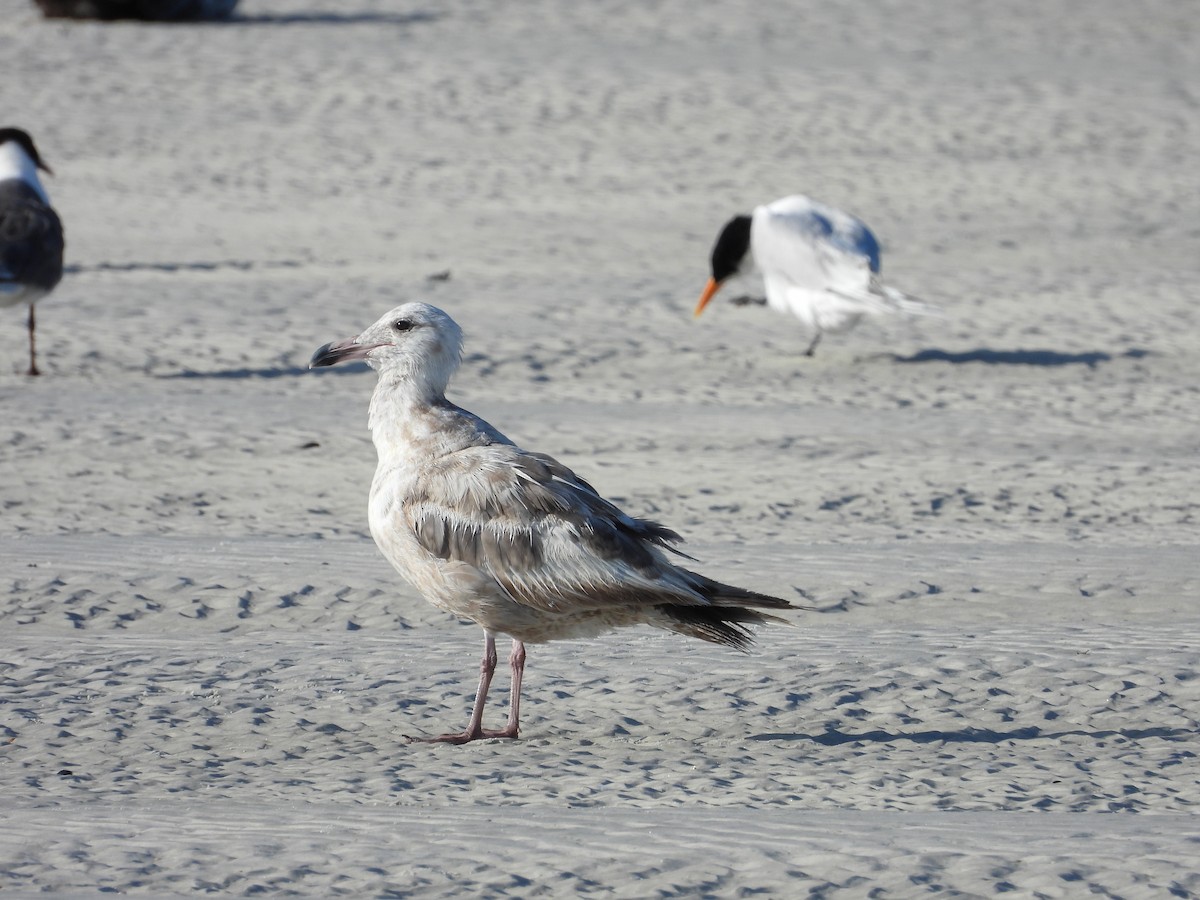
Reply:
x=404, y=324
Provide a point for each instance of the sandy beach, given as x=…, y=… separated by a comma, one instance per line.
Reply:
x=207, y=670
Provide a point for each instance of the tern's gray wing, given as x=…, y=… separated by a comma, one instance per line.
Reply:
x=838, y=237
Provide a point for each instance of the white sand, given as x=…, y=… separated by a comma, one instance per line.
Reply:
x=206, y=669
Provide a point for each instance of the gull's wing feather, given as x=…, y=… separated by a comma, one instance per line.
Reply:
x=31, y=242
x=543, y=534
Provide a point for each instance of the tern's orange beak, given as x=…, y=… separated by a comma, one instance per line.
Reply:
x=710, y=291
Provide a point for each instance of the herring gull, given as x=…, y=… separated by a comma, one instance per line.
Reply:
x=509, y=538
x=31, y=234
x=818, y=263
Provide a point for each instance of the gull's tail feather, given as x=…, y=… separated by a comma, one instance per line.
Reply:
x=727, y=619
x=728, y=625
x=726, y=595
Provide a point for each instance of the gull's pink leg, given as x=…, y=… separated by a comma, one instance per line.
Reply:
x=516, y=660
x=474, y=730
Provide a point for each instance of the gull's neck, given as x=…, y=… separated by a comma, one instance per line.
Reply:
x=413, y=423
x=404, y=414
x=15, y=163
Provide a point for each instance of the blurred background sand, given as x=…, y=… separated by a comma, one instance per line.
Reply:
x=207, y=668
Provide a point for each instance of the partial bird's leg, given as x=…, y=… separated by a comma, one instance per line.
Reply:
x=474, y=730
x=33, y=369
x=516, y=661
x=813, y=346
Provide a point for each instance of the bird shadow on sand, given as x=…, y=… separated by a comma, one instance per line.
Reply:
x=332, y=18
x=273, y=372
x=833, y=737
x=1047, y=358
x=241, y=265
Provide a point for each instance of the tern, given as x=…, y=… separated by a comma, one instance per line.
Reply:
x=818, y=263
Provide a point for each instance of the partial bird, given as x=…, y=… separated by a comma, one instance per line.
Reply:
x=512, y=539
x=145, y=10
x=31, y=234
x=818, y=263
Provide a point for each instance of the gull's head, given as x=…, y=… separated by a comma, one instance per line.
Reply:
x=730, y=254
x=19, y=158
x=415, y=342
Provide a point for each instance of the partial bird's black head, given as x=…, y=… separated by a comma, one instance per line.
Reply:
x=733, y=243
x=728, y=255
x=22, y=138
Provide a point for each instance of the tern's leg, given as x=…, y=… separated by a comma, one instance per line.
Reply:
x=33, y=369
x=813, y=346
x=516, y=661
x=474, y=730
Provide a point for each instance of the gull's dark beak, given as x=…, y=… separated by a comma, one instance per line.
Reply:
x=340, y=352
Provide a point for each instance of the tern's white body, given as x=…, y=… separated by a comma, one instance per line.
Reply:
x=818, y=263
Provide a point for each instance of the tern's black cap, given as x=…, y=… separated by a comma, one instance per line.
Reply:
x=733, y=243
